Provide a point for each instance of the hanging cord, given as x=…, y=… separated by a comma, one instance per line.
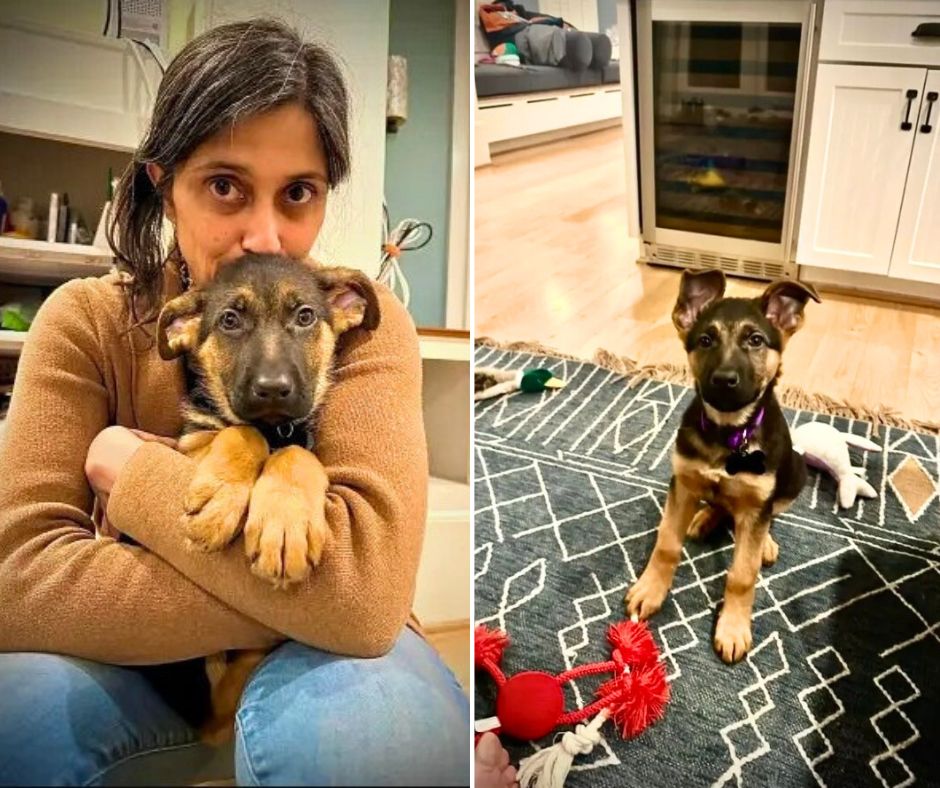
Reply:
x=154, y=51
x=408, y=235
x=143, y=71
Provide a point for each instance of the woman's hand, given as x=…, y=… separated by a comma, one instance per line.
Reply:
x=107, y=455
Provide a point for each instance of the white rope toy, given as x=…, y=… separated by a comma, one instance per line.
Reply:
x=549, y=767
x=408, y=235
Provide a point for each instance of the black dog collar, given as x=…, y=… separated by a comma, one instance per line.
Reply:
x=293, y=433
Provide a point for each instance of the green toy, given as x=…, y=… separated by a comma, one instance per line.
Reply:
x=18, y=316
x=489, y=382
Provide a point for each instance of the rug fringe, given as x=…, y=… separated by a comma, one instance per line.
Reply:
x=788, y=396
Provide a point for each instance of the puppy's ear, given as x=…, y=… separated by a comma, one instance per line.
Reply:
x=696, y=291
x=352, y=298
x=782, y=304
x=178, y=324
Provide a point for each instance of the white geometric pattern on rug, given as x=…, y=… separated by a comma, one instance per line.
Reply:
x=569, y=491
x=892, y=755
x=816, y=725
x=757, y=701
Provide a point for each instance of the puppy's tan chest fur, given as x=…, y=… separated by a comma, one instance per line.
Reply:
x=709, y=481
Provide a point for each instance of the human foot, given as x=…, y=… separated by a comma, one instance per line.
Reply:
x=491, y=764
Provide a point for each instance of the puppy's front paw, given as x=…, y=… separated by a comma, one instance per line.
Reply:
x=215, y=511
x=733, y=636
x=276, y=535
x=286, y=530
x=217, y=499
x=646, y=596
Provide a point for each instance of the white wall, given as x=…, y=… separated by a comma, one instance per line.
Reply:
x=358, y=33
x=580, y=13
x=81, y=16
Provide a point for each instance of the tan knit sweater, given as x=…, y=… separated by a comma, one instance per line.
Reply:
x=62, y=590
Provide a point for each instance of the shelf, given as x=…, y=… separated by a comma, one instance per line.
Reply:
x=41, y=262
x=444, y=345
x=11, y=342
x=448, y=500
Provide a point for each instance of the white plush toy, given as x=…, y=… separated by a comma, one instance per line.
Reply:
x=824, y=447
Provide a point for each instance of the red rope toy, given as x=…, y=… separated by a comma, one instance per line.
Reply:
x=529, y=705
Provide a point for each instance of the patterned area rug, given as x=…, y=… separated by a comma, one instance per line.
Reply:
x=841, y=686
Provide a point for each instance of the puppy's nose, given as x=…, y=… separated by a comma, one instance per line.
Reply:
x=272, y=389
x=727, y=378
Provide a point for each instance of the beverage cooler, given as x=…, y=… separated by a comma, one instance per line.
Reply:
x=722, y=98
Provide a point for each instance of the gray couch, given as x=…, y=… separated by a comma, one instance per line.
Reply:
x=496, y=80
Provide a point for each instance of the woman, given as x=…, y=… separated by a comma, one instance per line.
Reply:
x=248, y=136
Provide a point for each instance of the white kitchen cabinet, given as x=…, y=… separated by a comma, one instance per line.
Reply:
x=871, y=190
x=917, y=248
x=75, y=87
x=857, y=165
x=880, y=31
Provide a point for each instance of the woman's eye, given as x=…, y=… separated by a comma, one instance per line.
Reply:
x=306, y=317
x=223, y=189
x=300, y=193
x=705, y=341
x=756, y=340
x=230, y=320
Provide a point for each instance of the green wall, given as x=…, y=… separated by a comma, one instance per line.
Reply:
x=417, y=157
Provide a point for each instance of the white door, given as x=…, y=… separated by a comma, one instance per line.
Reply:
x=859, y=151
x=917, y=248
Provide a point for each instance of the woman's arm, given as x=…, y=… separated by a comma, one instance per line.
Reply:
x=371, y=443
x=61, y=590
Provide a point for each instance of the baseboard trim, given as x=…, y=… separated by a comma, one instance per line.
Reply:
x=543, y=137
x=446, y=627
x=881, y=288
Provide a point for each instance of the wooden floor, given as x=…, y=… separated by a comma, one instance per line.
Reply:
x=453, y=644
x=553, y=264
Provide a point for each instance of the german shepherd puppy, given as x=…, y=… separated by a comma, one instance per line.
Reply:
x=733, y=456
x=258, y=343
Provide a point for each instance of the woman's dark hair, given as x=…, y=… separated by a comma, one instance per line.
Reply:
x=226, y=74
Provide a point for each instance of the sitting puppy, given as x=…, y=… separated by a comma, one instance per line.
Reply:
x=733, y=449
x=258, y=343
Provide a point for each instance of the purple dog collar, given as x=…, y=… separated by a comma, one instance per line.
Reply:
x=739, y=438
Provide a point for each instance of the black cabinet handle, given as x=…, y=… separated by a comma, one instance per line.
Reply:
x=931, y=98
x=927, y=30
x=910, y=95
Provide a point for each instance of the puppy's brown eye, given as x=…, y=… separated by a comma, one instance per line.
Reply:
x=230, y=320
x=705, y=341
x=306, y=317
x=756, y=340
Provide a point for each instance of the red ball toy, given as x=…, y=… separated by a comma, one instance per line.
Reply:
x=529, y=705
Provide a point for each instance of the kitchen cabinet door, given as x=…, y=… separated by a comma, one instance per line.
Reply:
x=857, y=163
x=917, y=247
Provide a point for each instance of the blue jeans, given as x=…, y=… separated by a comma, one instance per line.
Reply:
x=306, y=717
